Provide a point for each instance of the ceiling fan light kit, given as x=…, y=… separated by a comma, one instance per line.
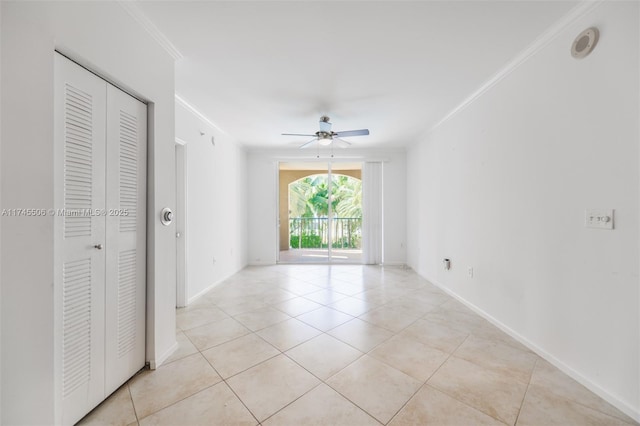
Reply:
x=325, y=140
x=326, y=137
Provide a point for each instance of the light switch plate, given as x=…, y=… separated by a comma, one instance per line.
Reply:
x=598, y=218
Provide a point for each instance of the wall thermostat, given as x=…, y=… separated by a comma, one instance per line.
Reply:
x=166, y=216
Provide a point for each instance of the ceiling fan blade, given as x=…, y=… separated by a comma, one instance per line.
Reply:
x=295, y=134
x=341, y=143
x=304, y=145
x=346, y=133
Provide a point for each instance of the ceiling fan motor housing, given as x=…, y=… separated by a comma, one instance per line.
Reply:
x=324, y=138
x=325, y=126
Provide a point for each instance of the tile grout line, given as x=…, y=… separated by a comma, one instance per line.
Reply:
x=347, y=398
x=524, y=397
x=324, y=381
x=135, y=412
x=288, y=404
x=428, y=378
x=266, y=360
x=452, y=396
x=222, y=380
x=229, y=386
x=241, y=401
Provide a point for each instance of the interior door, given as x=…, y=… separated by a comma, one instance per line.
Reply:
x=125, y=237
x=79, y=285
x=99, y=185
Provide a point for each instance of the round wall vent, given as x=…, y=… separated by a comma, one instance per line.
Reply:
x=584, y=43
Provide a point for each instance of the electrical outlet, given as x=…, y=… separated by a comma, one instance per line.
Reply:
x=470, y=272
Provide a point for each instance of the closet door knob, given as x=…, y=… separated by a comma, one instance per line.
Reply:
x=98, y=246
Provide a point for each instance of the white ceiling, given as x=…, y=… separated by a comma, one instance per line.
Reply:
x=258, y=69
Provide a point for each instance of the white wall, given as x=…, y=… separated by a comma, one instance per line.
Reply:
x=503, y=186
x=263, y=193
x=106, y=39
x=394, y=202
x=262, y=214
x=216, y=203
x=1, y=381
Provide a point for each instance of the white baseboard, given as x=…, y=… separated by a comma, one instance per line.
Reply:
x=207, y=289
x=261, y=263
x=633, y=412
x=401, y=264
x=155, y=363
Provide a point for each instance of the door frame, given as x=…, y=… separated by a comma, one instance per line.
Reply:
x=330, y=165
x=182, y=298
x=278, y=222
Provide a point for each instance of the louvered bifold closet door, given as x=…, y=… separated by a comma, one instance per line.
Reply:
x=126, y=230
x=79, y=266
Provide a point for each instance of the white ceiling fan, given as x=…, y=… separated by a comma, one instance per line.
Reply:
x=325, y=136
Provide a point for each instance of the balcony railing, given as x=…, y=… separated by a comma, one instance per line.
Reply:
x=313, y=232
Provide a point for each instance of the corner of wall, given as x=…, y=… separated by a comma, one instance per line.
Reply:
x=502, y=184
x=216, y=170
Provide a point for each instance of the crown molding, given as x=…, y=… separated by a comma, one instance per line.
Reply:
x=186, y=105
x=136, y=13
x=579, y=11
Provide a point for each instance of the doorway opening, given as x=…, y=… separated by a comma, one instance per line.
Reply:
x=320, y=213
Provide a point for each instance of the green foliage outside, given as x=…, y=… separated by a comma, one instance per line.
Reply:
x=307, y=241
x=315, y=241
x=309, y=210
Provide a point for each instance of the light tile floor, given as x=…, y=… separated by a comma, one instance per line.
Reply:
x=346, y=345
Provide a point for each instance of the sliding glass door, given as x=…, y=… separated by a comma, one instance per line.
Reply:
x=320, y=213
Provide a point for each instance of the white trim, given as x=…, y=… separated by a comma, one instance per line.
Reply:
x=261, y=263
x=211, y=287
x=593, y=387
x=278, y=224
x=394, y=264
x=182, y=102
x=136, y=13
x=182, y=246
x=582, y=9
x=155, y=363
x=181, y=141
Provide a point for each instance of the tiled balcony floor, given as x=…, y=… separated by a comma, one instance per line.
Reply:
x=346, y=345
x=349, y=256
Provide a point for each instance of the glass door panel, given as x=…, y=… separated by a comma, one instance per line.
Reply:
x=346, y=215
x=320, y=213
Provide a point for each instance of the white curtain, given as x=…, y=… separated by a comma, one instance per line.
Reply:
x=372, y=213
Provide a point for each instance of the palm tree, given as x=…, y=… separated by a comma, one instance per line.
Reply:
x=309, y=201
x=299, y=193
x=349, y=194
